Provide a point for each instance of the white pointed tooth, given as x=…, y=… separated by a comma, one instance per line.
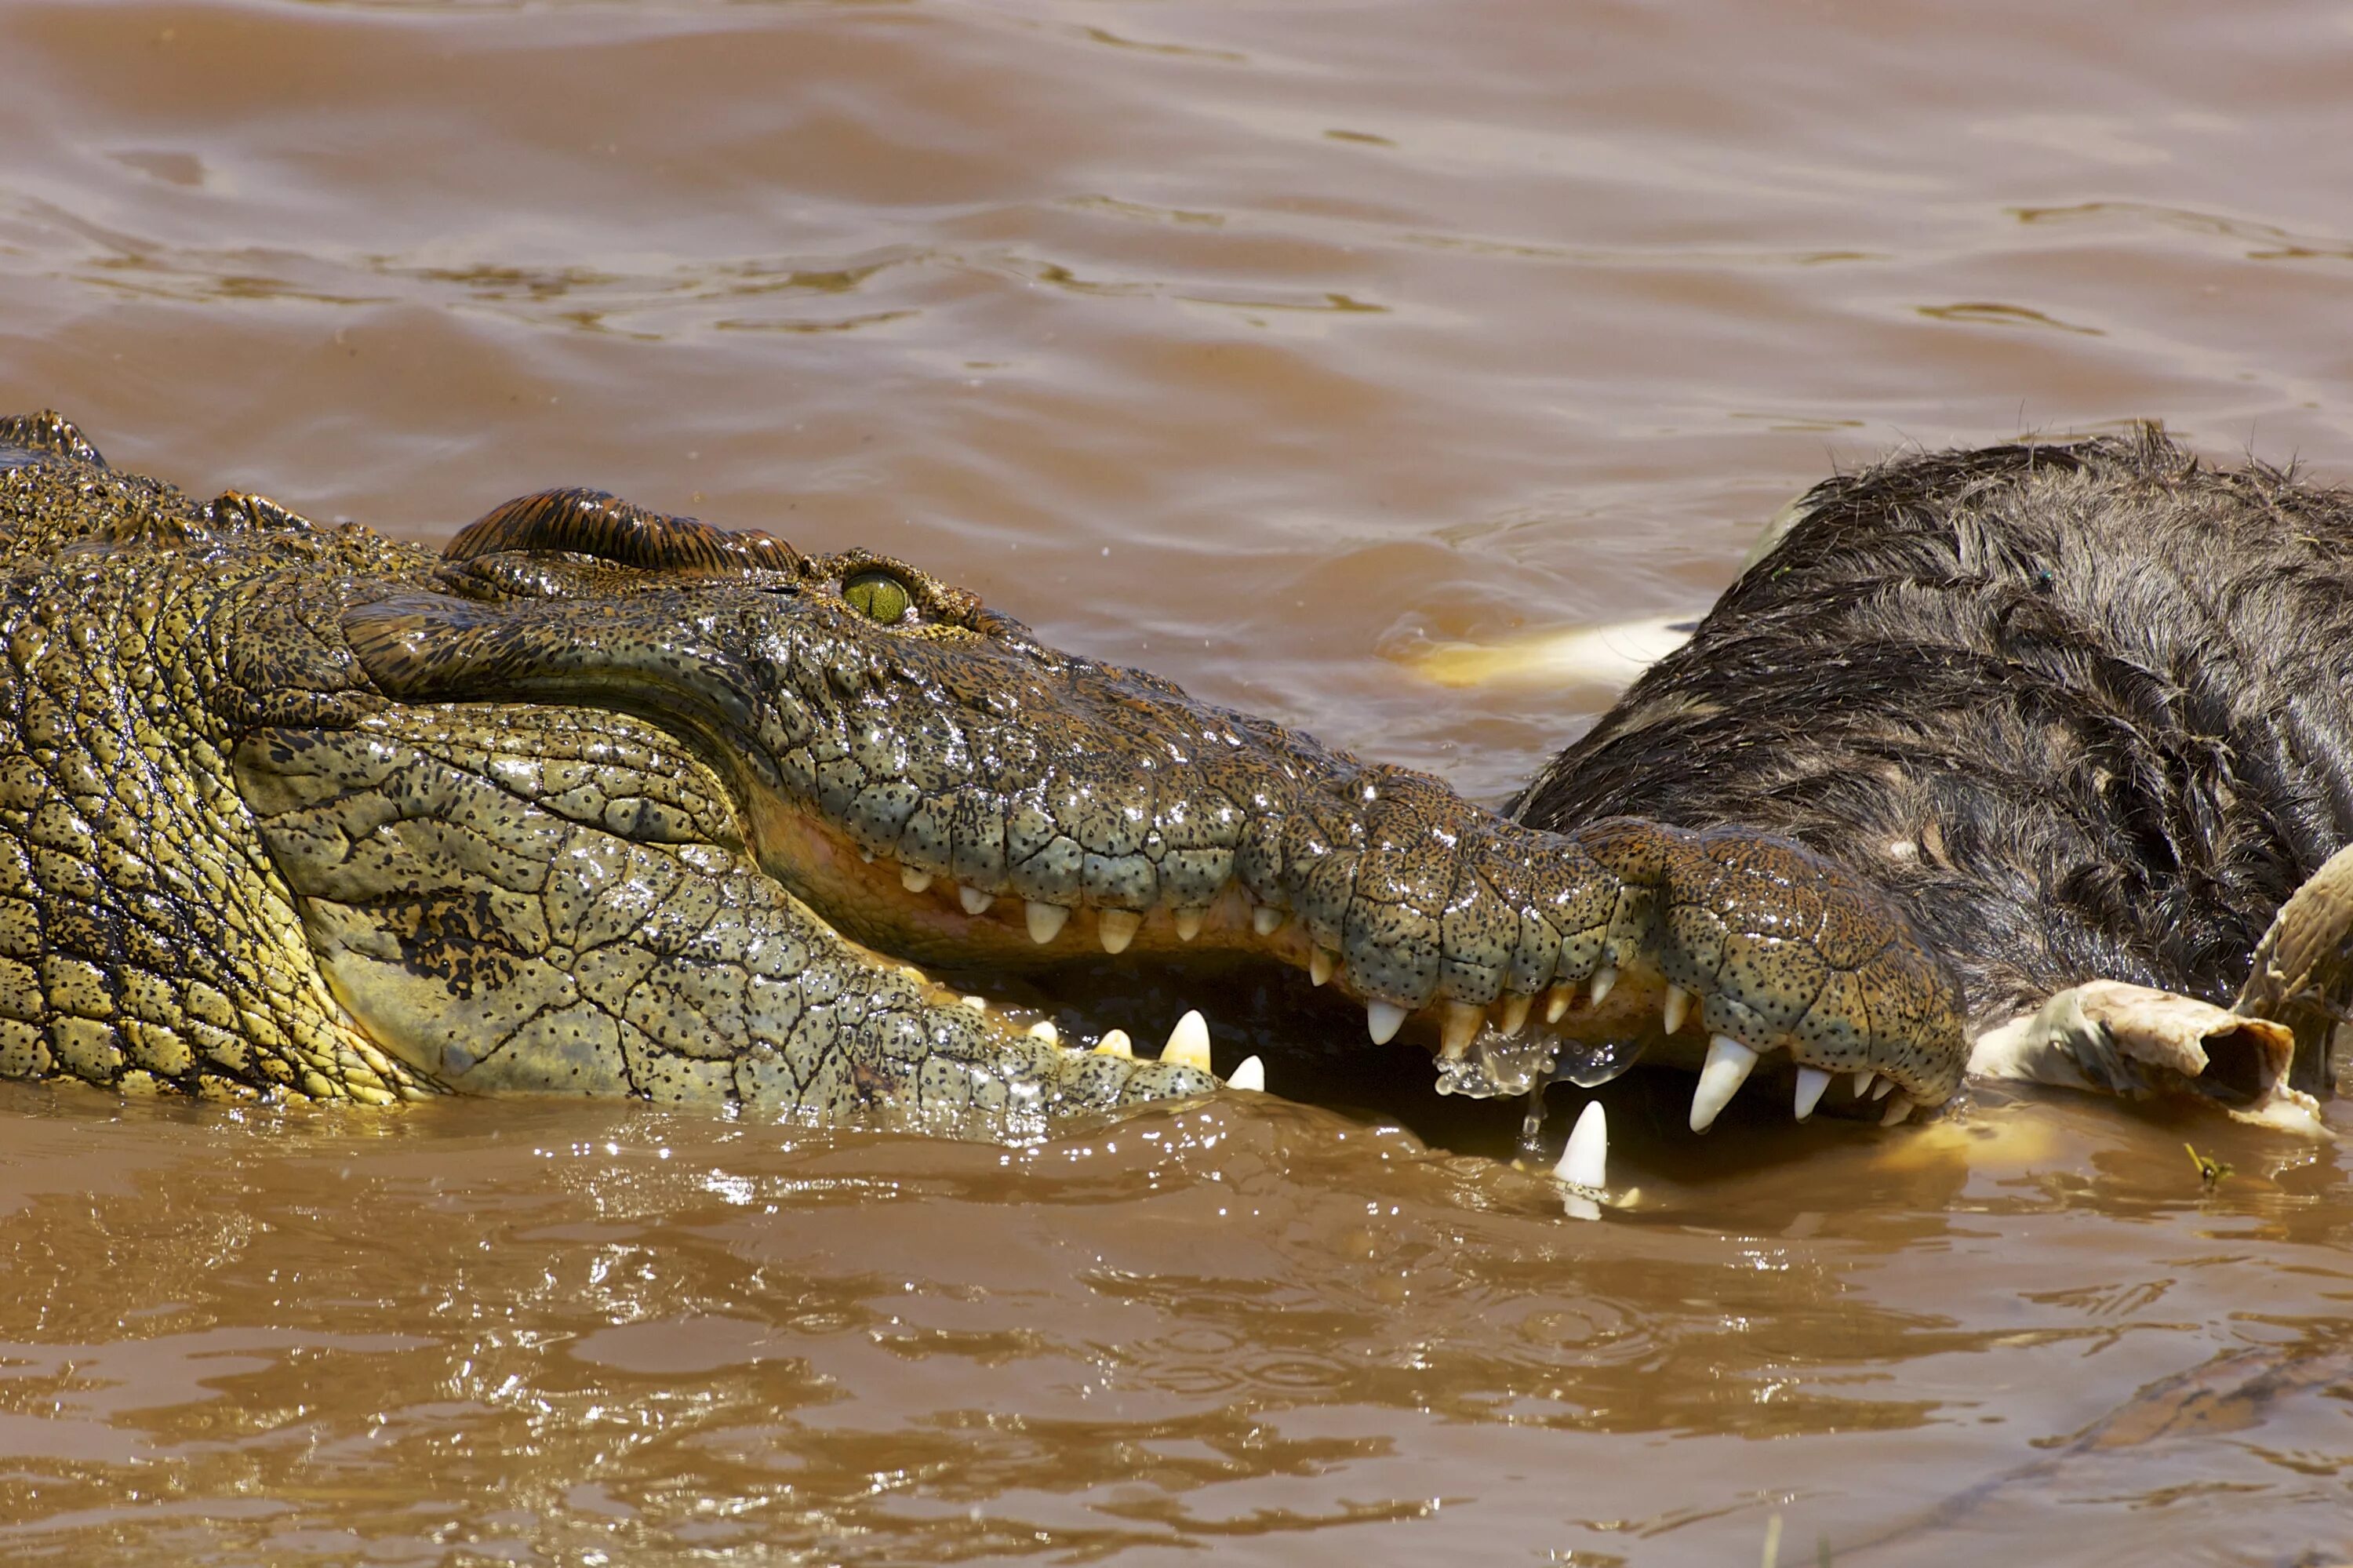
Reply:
x=1603, y=979
x=1460, y=1025
x=913, y=881
x=1557, y=1000
x=1044, y=1030
x=867, y=855
x=1516, y=1013
x=1811, y=1082
x=1188, y=923
x=1879, y=1090
x=1729, y=1062
x=1862, y=1076
x=1117, y=929
x=1897, y=1109
x=1266, y=919
x=1046, y=921
x=1678, y=1008
x=977, y=1003
x=1577, y=1206
x=1321, y=963
x=1383, y=1020
x=1251, y=1075
x=1116, y=1043
x=974, y=900
x=1188, y=1043
x=1585, y=1162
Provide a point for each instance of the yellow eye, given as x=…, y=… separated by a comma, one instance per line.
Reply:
x=881, y=597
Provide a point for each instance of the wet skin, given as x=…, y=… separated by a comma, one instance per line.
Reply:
x=605, y=802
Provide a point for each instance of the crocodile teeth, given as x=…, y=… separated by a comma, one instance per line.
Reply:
x=1044, y=1030
x=977, y=1003
x=913, y=881
x=1459, y=1027
x=1188, y=1043
x=1585, y=1162
x=1897, y=1109
x=1603, y=979
x=1383, y=1019
x=1862, y=1076
x=1251, y=1075
x=1729, y=1062
x=1045, y=922
x=1678, y=1007
x=1116, y=1043
x=974, y=900
x=1321, y=963
x=1811, y=1082
x=1557, y=1000
x=1117, y=927
x=1188, y=923
x=1879, y=1090
x=1266, y=919
x=1516, y=1013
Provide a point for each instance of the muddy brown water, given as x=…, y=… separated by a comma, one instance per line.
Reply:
x=1264, y=345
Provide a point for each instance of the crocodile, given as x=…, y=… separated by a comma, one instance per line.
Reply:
x=598, y=800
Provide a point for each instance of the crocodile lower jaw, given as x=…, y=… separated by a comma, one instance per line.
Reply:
x=1587, y=1033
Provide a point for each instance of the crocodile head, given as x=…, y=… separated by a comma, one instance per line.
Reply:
x=935, y=783
x=604, y=800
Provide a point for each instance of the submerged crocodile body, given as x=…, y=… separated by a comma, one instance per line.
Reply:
x=602, y=801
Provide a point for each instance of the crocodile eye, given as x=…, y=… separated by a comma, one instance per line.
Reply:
x=883, y=597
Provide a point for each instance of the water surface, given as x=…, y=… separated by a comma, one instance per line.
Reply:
x=1264, y=345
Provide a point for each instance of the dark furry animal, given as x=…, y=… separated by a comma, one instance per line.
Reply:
x=2083, y=707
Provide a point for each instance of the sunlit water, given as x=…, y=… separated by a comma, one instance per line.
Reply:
x=1264, y=345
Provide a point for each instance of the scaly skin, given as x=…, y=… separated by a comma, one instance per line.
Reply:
x=608, y=802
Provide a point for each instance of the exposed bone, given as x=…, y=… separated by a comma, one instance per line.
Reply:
x=913, y=881
x=1383, y=1020
x=1117, y=929
x=1677, y=1009
x=1459, y=1027
x=1811, y=1082
x=1266, y=919
x=1603, y=979
x=1728, y=1065
x=974, y=900
x=1321, y=963
x=2302, y=977
x=2133, y=1040
x=1251, y=1075
x=1516, y=1013
x=1188, y=1043
x=1046, y=921
x=1188, y=923
x=1116, y=1043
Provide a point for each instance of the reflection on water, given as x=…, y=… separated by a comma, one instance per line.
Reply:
x=1272, y=347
